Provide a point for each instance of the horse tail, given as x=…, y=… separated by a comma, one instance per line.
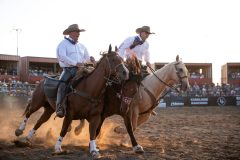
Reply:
x=27, y=107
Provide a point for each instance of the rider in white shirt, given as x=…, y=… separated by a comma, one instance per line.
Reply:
x=137, y=45
x=71, y=54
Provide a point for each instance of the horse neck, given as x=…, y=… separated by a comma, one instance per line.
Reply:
x=95, y=82
x=154, y=85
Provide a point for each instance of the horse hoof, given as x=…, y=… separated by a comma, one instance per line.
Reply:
x=18, y=132
x=138, y=149
x=22, y=142
x=95, y=154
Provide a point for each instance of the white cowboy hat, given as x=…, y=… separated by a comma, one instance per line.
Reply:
x=72, y=28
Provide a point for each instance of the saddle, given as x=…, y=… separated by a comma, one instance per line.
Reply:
x=51, y=86
x=51, y=83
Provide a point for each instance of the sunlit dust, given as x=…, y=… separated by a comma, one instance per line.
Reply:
x=47, y=134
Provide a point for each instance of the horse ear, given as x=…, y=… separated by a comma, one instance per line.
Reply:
x=116, y=49
x=110, y=48
x=177, y=58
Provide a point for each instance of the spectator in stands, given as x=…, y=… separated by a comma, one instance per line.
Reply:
x=71, y=55
x=137, y=45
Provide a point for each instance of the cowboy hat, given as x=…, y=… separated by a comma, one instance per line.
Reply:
x=144, y=29
x=72, y=28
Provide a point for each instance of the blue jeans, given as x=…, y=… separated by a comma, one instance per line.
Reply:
x=66, y=76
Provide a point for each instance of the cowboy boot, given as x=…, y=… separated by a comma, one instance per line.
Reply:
x=60, y=95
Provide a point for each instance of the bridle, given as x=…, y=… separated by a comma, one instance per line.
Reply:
x=112, y=76
x=128, y=100
x=180, y=79
x=156, y=101
x=109, y=79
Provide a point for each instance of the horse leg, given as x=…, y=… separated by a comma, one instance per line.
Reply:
x=143, y=118
x=136, y=147
x=98, y=131
x=93, y=125
x=133, y=118
x=30, y=109
x=80, y=127
x=48, y=111
x=66, y=122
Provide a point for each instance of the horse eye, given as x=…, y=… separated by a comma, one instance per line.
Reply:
x=180, y=70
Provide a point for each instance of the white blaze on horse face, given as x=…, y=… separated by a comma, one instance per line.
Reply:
x=184, y=78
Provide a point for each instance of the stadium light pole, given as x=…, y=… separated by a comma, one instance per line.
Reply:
x=17, y=31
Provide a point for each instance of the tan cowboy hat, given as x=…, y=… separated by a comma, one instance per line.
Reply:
x=144, y=29
x=72, y=28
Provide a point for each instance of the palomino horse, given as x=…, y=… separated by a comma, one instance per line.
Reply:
x=84, y=102
x=143, y=103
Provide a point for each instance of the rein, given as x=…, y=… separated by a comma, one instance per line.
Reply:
x=97, y=100
x=170, y=86
x=109, y=80
x=153, y=99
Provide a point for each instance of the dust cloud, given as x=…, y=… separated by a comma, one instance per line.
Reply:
x=11, y=115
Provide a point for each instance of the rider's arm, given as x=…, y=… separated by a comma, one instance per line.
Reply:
x=125, y=46
x=146, y=55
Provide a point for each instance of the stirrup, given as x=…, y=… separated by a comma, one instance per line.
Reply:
x=60, y=111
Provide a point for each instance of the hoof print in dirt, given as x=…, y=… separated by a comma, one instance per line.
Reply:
x=61, y=153
x=95, y=155
x=120, y=130
x=22, y=143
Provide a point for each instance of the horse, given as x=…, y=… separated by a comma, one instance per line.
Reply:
x=143, y=98
x=83, y=102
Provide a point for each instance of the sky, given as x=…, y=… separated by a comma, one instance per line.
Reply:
x=199, y=31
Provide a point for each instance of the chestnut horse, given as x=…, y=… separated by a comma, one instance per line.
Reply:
x=84, y=102
x=146, y=99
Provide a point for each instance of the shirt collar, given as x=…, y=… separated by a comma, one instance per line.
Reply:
x=70, y=40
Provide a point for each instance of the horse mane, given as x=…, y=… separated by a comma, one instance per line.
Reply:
x=78, y=80
x=133, y=64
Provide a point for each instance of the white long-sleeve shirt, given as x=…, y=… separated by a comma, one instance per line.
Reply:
x=141, y=51
x=69, y=54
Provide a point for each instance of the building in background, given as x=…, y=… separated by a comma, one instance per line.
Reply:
x=33, y=69
x=230, y=74
x=200, y=73
x=9, y=67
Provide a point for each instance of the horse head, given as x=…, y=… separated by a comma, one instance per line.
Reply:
x=181, y=75
x=115, y=65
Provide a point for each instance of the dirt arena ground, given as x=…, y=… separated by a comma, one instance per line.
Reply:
x=199, y=133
